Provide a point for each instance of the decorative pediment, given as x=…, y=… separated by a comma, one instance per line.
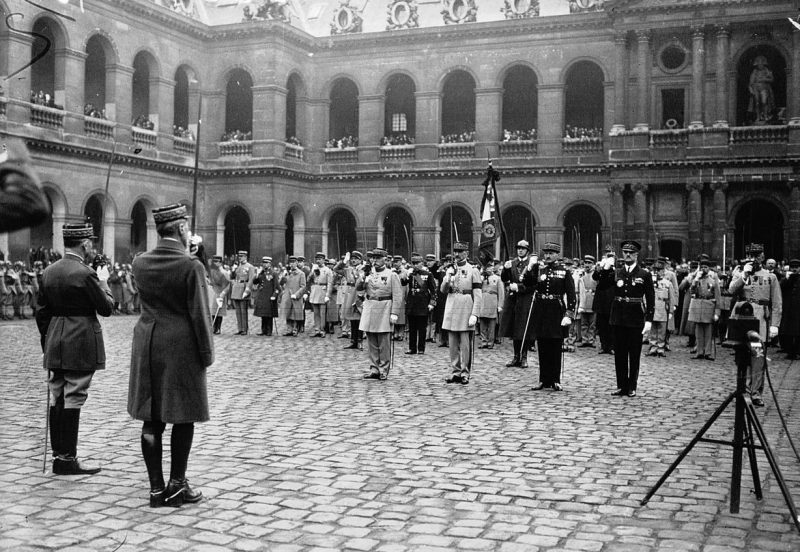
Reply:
x=269, y=10
x=459, y=11
x=346, y=19
x=520, y=9
x=402, y=14
x=580, y=6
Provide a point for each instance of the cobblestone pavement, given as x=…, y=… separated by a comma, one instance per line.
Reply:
x=303, y=454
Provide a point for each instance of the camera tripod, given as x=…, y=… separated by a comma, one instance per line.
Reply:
x=745, y=424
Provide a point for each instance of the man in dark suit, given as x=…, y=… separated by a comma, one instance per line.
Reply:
x=631, y=315
x=519, y=277
x=72, y=340
x=172, y=346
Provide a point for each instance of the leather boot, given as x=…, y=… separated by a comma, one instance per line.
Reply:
x=513, y=362
x=56, y=441
x=523, y=359
x=151, y=452
x=178, y=490
x=67, y=463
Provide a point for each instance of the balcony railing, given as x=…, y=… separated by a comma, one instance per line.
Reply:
x=669, y=138
x=404, y=151
x=236, y=148
x=293, y=151
x=582, y=146
x=518, y=148
x=341, y=155
x=458, y=150
x=49, y=117
x=98, y=128
x=759, y=135
x=183, y=145
x=143, y=137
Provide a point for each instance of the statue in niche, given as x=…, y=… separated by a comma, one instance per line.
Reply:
x=762, y=98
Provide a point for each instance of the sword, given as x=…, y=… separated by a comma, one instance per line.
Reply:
x=46, y=423
x=391, y=349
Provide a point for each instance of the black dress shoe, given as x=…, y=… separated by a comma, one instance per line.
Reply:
x=178, y=492
x=410, y=353
x=557, y=387
x=513, y=362
x=372, y=375
x=216, y=332
x=698, y=357
x=383, y=376
x=157, y=498
x=538, y=387
x=443, y=345
x=464, y=380
x=619, y=393
x=288, y=334
x=72, y=467
x=632, y=393
x=709, y=357
x=453, y=378
x=758, y=401
x=352, y=346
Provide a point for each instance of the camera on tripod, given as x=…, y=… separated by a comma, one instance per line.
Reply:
x=740, y=324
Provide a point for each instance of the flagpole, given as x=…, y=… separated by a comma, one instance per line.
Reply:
x=493, y=176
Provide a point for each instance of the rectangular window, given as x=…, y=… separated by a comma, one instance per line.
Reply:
x=399, y=123
x=672, y=107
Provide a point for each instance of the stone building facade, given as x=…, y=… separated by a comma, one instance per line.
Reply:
x=675, y=123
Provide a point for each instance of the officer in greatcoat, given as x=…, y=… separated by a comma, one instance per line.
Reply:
x=382, y=300
x=704, y=309
x=172, y=347
x=790, y=319
x=493, y=292
x=666, y=299
x=753, y=284
x=293, y=283
x=319, y=288
x=265, y=304
x=219, y=289
x=420, y=302
x=70, y=299
x=462, y=283
x=349, y=269
x=553, y=307
x=519, y=278
x=241, y=289
x=586, y=290
x=631, y=316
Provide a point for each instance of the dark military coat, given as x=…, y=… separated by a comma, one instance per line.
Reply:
x=518, y=303
x=604, y=292
x=421, y=292
x=553, y=285
x=790, y=291
x=634, y=298
x=266, y=295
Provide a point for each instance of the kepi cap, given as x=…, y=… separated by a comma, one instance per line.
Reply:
x=754, y=248
x=266, y=259
x=80, y=231
x=460, y=246
x=319, y=255
x=523, y=243
x=168, y=213
x=379, y=252
x=631, y=245
x=430, y=257
x=356, y=255
x=589, y=259
x=242, y=252
x=551, y=246
x=794, y=263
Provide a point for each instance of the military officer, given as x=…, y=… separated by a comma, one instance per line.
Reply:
x=382, y=300
x=420, y=302
x=432, y=265
x=519, y=278
x=71, y=297
x=349, y=269
x=265, y=305
x=603, y=274
x=220, y=286
x=551, y=315
x=586, y=288
x=462, y=283
x=493, y=292
x=790, y=318
x=752, y=283
x=293, y=283
x=631, y=316
x=319, y=288
x=402, y=273
x=666, y=299
x=241, y=289
x=704, y=309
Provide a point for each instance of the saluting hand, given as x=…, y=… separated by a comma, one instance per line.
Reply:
x=472, y=320
x=393, y=318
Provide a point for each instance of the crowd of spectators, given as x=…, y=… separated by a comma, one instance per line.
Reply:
x=143, y=122
x=582, y=134
x=20, y=282
x=237, y=136
x=518, y=135
x=91, y=111
x=181, y=132
x=342, y=143
x=294, y=140
x=464, y=137
x=45, y=99
x=397, y=140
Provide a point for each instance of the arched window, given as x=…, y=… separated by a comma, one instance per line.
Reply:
x=42, y=234
x=138, y=228
x=520, y=103
x=519, y=225
x=94, y=81
x=759, y=221
x=582, y=225
x=292, y=87
x=181, y=99
x=43, y=72
x=237, y=231
x=341, y=233
x=584, y=100
x=762, y=69
x=288, y=238
x=398, y=236
x=458, y=104
x=239, y=104
x=93, y=211
x=343, y=110
x=399, y=120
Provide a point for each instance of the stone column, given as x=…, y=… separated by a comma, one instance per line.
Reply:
x=488, y=120
x=19, y=87
x=269, y=120
x=794, y=79
x=551, y=119
x=118, y=98
x=695, y=218
x=620, y=81
x=794, y=221
x=316, y=128
x=163, y=109
x=723, y=52
x=428, y=124
x=300, y=118
x=698, y=76
x=720, y=218
x=643, y=80
x=71, y=89
x=370, y=126
x=194, y=109
x=617, y=209
x=640, y=222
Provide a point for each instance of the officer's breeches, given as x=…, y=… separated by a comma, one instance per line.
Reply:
x=379, y=348
x=459, y=343
x=240, y=306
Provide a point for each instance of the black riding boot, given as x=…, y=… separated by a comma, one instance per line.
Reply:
x=151, y=452
x=56, y=440
x=178, y=489
x=67, y=463
x=517, y=351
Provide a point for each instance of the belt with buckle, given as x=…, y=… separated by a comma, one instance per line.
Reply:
x=628, y=299
x=461, y=292
x=387, y=298
x=762, y=302
x=547, y=296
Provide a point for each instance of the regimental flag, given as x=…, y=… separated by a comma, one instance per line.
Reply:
x=488, y=224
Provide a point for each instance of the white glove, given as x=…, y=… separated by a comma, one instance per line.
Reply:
x=293, y=296
x=246, y=294
x=327, y=299
x=499, y=309
x=773, y=332
x=716, y=318
x=534, y=259
x=646, y=329
x=450, y=272
x=347, y=257
x=393, y=318
x=472, y=320
x=748, y=268
x=410, y=271
x=102, y=273
x=305, y=296
x=430, y=308
x=566, y=321
x=219, y=301
x=513, y=287
x=507, y=264
x=580, y=311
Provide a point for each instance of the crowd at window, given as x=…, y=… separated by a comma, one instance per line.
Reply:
x=294, y=140
x=143, y=122
x=181, y=132
x=518, y=135
x=582, y=134
x=45, y=99
x=91, y=111
x=237, y=136
x=464, y=137
x=342, y=143
x=397, y=140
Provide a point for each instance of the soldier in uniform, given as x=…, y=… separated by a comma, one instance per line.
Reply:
x=603, y=274
x=293, y=283
x=172, y=347
x=631, y=315
x=790, y=318
x=267, y=288
x=666, y=298
x=420, y=302
x=462, y=283
x=402, y=273
x=519, y=277
x=704, y=309
x=551, y=316
x=241, y=288
x=586, y=288
x=72, y=340
x=220, y=286
x=319, y=287
x=349, y=270
x=493, y=292
x=755, y=285
x=382, y=300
